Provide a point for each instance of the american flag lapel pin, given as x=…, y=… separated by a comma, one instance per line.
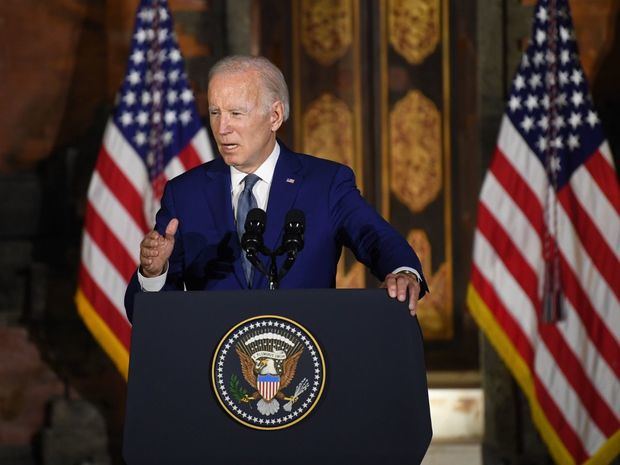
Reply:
x=290, y=180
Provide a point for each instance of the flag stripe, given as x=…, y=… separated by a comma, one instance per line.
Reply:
x=123, y=190
x=509, y=254
x=597, y=369
x=581, y=385
x=104, y=274
x=108, y=206
x=555, y=417
x=174, y=168
x=597, y=329
x=129, y=162
x=562, y=393
x=104, y=307
x=601, y=168
x=126, y=159
x=516, y=150
x=592, y=196
x=519, y=190
x=202, y=146
x=494, y=271
x=189, y=157
x=105, y=238
x=504, y=318
x=596, y=246
x=603, y=300
x=508, y=214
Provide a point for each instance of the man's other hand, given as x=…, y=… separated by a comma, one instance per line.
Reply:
x=400, y=285
x=155, y=250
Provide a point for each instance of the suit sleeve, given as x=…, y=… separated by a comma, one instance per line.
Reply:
x=359, y=227
x=174, y=279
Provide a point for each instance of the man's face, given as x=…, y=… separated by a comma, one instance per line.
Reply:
x=245, y=133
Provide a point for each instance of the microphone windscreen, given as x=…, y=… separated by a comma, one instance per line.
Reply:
x=296, y=220
x=256, y=218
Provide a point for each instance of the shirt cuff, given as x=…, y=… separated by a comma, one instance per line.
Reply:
x=411, y=270
x=154, y=284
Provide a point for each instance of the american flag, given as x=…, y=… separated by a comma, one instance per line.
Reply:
x=549, y=226
x=154, y=134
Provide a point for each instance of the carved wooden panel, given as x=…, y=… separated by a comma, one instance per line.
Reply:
x=415, y=151
x=326, y=93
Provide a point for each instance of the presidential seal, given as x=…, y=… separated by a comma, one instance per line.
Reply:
x=268, y=372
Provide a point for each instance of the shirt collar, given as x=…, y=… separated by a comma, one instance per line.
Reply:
x=264, y=171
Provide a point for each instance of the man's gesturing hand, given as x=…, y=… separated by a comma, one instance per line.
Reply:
x=155, y=250
x=400, y=285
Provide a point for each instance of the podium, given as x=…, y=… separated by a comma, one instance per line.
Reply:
x=373, y=408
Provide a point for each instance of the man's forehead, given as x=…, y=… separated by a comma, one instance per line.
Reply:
x=239, y=86
x=238, y=79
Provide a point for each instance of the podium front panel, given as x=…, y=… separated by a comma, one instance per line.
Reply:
x=374, y=408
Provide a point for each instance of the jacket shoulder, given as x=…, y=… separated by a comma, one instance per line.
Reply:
x=327, y=167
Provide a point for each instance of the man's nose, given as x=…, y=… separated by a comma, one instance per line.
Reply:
x=224, y=125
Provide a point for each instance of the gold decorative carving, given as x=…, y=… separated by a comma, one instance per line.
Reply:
x=326, y=29
x=328, y=130
x=414, y=28
x=434, y=310
x=415, y=151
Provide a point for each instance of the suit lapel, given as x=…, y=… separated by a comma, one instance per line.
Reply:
x=287, y=179
x=220, y=202
x=218, y=195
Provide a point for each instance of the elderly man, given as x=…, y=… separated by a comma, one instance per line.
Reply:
x=196, y=241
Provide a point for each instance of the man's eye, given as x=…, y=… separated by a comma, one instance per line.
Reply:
x=237, y=113
x=214, y=113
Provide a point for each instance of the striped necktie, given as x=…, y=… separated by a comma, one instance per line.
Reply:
x=246, y=202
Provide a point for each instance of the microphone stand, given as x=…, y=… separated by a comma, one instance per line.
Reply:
x=274, y=279
x=252, y=243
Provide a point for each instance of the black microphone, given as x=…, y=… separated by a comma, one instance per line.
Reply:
x=294, y=228
x=252, y=239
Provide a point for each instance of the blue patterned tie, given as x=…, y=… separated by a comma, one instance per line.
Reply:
x=246, y=202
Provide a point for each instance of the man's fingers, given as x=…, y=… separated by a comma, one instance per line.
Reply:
x=390, y=284
x=402, y=284
x=414, y=292
x=171, y=229
x=148, y=252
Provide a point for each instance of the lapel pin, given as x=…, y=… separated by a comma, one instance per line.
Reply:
x=290, y=180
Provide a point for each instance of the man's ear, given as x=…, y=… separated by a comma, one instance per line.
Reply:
x=277, y=115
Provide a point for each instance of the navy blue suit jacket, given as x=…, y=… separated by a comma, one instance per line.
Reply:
x=207, y=253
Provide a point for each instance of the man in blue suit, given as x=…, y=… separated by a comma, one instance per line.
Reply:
x=195, y=243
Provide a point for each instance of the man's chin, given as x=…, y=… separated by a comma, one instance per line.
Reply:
x=229, y=158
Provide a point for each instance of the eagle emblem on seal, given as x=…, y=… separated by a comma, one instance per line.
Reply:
x=268, y=363
x=268, y=372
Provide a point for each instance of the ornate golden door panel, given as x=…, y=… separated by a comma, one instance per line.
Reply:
x=414, y=62
x=370, y=89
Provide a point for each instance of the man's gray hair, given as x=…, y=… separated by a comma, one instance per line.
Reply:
x=272, y=78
